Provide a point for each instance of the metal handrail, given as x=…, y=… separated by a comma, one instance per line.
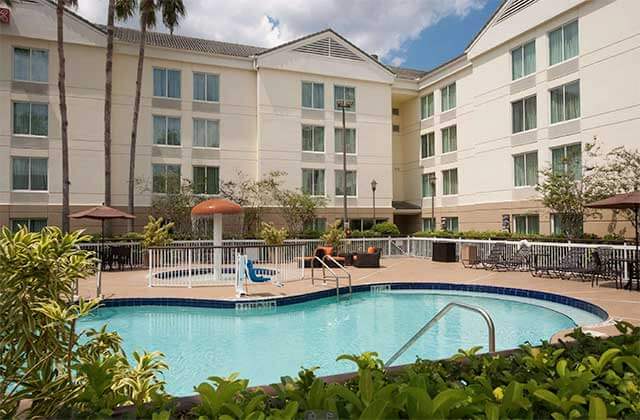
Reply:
x=336, y=276
x=438, y=317
x=342, y=268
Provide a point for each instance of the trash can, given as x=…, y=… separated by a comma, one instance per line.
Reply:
x=444, y=252
x=469, y=255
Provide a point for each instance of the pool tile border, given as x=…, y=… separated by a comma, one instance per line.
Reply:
x=295, y=299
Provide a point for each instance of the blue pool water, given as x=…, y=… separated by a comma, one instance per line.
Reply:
x=265, y=344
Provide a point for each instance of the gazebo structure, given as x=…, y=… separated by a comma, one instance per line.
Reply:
x=214, y=209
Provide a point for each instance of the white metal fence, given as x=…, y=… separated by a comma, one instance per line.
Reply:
x=195, y=265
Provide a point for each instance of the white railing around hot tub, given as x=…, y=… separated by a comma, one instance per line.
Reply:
x=197, y=265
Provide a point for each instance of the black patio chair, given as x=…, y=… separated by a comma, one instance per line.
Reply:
x=520, y=261
x=562, y=268
x=496, y=256
x=121, y=256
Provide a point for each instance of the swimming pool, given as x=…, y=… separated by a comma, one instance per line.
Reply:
x=265, y=344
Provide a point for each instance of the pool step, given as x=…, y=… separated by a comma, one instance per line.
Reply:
x=380, y=288
x=261, y=304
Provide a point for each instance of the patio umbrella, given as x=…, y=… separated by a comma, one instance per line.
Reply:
x=102, y=213
x=626, y=201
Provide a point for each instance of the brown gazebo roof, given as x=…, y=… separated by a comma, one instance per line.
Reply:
x=216, y=206
x=102, y=213
x=620, y=201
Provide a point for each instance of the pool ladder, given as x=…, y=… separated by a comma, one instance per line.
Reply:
x=487, y=318
x=334, y=276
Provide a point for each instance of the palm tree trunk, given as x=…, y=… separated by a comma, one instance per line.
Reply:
x=108, y=89
x=63, y=117
x=134, y=127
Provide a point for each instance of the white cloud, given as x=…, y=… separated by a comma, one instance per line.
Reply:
x=377, y=26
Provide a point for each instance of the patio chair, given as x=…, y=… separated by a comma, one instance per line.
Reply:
x=495, y=257
x=568, y=264
x=121, y=256
x=368, y=259
x=520, y=261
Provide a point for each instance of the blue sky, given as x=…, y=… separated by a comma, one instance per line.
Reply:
x=447, y=38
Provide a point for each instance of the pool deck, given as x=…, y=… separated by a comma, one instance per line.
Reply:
x=620, y=304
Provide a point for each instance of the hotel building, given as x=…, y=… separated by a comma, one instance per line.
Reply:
x=539, y=81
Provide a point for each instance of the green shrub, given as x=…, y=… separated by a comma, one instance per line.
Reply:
x=365, y=234
x=501, y=235
x=334, y=235
x=272, y=235
x=386, y=229
x=156, y=233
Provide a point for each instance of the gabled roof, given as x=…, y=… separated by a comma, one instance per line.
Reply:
x=407, y=73
x=159, y=39
x=327, y=31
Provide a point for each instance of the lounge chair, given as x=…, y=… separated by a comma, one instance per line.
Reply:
x=370, y=259
x=496, y=256
x=520, y=261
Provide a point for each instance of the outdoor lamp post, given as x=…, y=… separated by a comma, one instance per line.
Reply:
x=343, y=104
x=374, y=185
x=432, y=181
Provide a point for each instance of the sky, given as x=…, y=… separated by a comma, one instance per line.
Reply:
x=409, y=33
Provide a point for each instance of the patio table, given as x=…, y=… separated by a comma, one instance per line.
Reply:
x=632, y=271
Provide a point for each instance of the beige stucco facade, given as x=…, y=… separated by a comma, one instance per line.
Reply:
x=260, y=114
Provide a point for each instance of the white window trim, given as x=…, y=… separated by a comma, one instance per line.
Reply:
x=174, y=146
x=325, y=181
x=13, y=70
x=524, y=110
x=526, y=216
x=204, y=101
x=435, y=182
x=432, y=93
x=31, y=136
x=524, y=76
x=355, y=101
x=434, y=145
x=336, y=184
x=442, y=140
x=193, y=180
x=513, y=167
x=334, y=141
x=442, y=111
x=30, y=190
x=167, y=86
x=564, y=147
x=193, y=136
x=564, y=60
x=324, y=141
x=442, y=171
x=165, y=164
x=564, y=101
x=312, y=95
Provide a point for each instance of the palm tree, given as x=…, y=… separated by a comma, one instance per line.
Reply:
x=171, y=12
x=64, y=120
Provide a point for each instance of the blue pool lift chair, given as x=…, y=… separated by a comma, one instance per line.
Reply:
x=253, y=275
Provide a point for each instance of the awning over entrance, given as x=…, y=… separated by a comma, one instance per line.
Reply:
x=406, y=207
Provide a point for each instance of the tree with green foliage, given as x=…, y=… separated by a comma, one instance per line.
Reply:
x=271, y=235
x=298, y=209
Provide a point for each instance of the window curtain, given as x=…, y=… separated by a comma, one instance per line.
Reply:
x=452, y=96
x=517, y=117
x=173, y=179
x=351, y=183
x=516, y=63
x=530, y=58
x=20, y=173
x=307, y=181
x=21, y=118
x=430, y=109
x=423, y=107
x=213, y=180
x=21, y=59
x=199, y=133
x=318, y=185
x=307, y=138
x=213, y=134
x=572, y=100
x=38, y=174
x=318, y=95
x=533, y=225
x=39, y=66
x=350, y=95
x=424, y=149
x=199, y=87
x=557, y=160
x=555, y=47
x=338, y=95
x=557, y=105
x=532, y=168
x=159, y=130
x=445, y=140
x=519, y=170
x=174, y=83
x=159, y=179
x=530, y=113
x=307, y=95
x=571, y=43
x=444, y=99
x=318, y=139
x=173, y=131
x=39, y=119
x=213, y=88
x=521, y=224
x=198, y=179
x=159, y=82
x=574, y=160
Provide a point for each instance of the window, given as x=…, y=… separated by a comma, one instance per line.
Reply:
x=30, y=174
x=206, y=87
x=450, y=182
x=30, y=65
x=449, y=139
x=312, y=138
x=341, y=93
x=313, y=182
x=428, y=185
x=395, y=111
x=166, y=130
x=428, y=224
x=364, y=224
x=312, y=95
x=524, y=114
x=206, y=180
x=316, y=225
x=567, y=160
x=166, y=178
x=428, y=145
x=166, y=83
x=30, y=119
x=352, y=188
x=558, y=222
x=33, y=225
x=450, y=224
x=426, y=106
x=206, y=133
x=563, y=43
x=523, y=60
x=565, y=102
x=396, y=128
x=527, y=224
x=526, y=169
x=351, y=140
x=448, y=97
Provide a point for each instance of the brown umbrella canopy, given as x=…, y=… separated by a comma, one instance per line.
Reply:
x=627, y=201
x=216, y=206
x=102, y=213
